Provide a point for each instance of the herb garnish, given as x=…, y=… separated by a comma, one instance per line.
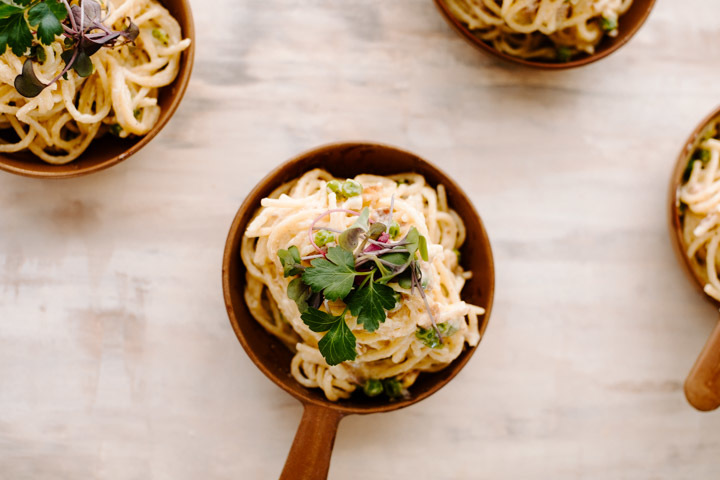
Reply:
x=356, y=267
x=26, y=21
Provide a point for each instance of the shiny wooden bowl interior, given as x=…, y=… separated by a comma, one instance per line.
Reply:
x=702, y=387
x=310, y=454
x=628, y=26
x=108, y=150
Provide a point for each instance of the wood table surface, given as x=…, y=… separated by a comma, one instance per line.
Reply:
x=117, y=360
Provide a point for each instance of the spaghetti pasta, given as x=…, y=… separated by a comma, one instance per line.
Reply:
x=120, y=95
x=395, y=350
x=541, y=29
x=699, y=200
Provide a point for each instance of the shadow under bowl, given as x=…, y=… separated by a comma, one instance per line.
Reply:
x=628, y=25
x=108, y=150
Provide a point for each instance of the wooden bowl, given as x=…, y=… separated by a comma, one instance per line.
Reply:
x=108, y=150
x=309, y=456
x=702, y=387
x=629, y=24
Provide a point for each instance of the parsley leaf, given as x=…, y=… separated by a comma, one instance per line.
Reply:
x=334, y=275
x=369, y=303
x=319, y=321
x=15, y=33
x=291, y=261
x=47, y=16
x=338, y=345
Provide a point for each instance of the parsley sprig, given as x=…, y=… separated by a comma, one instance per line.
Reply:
x=25, y=25
x=357, y=267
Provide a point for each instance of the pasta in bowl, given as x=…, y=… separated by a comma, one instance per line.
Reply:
x=547, y=33
x=92, y=88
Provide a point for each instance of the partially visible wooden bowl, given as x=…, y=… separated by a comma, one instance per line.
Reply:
x=702, y=387
x=108, y=150
x=310, y=454
x=628, y=26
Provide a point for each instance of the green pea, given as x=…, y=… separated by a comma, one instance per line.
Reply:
x=115, y=129
x=609, y=24
x=373, y=388
x=393, y=388
x=334, y=186
x=564, y=54
x=394, y=230
x=323, y=237
x=351, y=188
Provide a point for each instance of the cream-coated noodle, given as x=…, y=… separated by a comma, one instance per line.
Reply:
x=317, y=209
x=120, y=95
x=699, y=201
x=541, y=29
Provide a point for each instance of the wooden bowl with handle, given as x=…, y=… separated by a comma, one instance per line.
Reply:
x=629, y=24
x=309, y=456
x=108, y=150
x=702, y=387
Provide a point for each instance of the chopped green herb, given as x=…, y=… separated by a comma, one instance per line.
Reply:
x=161, y=36
x=394, y=230
x=291, y=261
x=323, y=237
x=429, y=336
x=373, y=387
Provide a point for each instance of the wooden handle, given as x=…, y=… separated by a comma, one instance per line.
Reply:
x=702, y=387
x=309, y=457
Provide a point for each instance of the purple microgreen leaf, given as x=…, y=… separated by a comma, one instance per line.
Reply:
x=27, y=84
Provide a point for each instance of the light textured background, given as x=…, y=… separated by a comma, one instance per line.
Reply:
x=117, y=360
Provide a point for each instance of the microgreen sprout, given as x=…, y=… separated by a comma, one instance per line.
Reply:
x=356, y=266
x=81, y=25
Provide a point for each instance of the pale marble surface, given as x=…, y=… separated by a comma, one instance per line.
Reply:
x=117, y=360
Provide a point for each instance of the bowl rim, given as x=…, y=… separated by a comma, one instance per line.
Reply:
x=479, y=44
x=236, y=232
x=180, y=85
x=691, y=269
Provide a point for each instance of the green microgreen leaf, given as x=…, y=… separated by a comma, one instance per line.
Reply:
x=298, y=292
x=396, y=258
x=376, y=229
x=350, y=238
x=370, y=302
x=416, y=242
x=334, y=275
x=423, y=247
x=363, y=220
x=291, y=261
